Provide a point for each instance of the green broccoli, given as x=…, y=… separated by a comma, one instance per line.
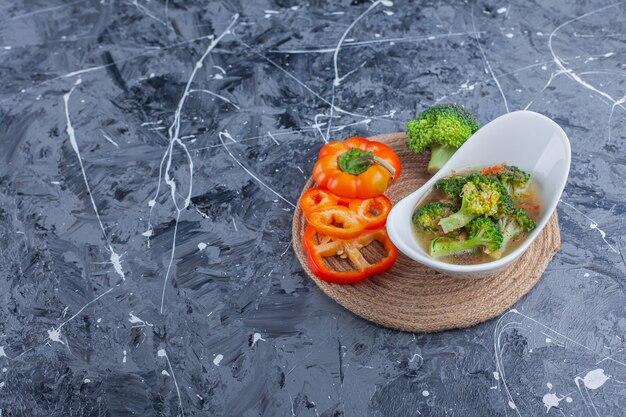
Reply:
x=428, y=216
x=451, y=186
x=480, y=195
x=443, y=128
x=515, y=225
x=514, y=179
x=483, y=234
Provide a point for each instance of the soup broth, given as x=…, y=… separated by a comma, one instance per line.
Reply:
x=530, y=202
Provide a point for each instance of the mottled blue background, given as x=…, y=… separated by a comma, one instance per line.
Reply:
x=195, y=304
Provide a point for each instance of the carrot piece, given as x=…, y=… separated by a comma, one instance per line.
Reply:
x=496, y=169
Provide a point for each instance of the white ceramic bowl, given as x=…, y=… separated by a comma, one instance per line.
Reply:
x=527, y=139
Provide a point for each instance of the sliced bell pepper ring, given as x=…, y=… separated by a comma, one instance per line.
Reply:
x=356, y=168
x=317, y=198
x=316, y=251
x=372, y=211
x=336, y=221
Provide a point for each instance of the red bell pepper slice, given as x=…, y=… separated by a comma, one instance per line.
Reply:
x=372, y=211
x=318, y=249
x=317, y=198
x=336, y=221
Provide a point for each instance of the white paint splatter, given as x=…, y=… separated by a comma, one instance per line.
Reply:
x=593, y=225
x=2, y=353
x=115, y=258
x=211, y=93
x=124, y=358
x=548, y=340
x=174, y=139
x=273, y=138
x=416, y=355
x=202, y=246
x=592, y=380
x=161, y=353
x=256, y=337
x=227, y=136
x=164, y=372
x=509, y=35
x=136, y=320
x=55, y=335
x=117, y=264
x=86, y=380
x=549, y=385
x=109, y=139
x=218, y=359
x=158, y=122
x=338, y=79
x=390, y=41
x=595, y=379
x=568, y=71
x=551, y=400
x=501, y=327
x=147, y=12
x=425, y=393
x=501, y=10
x=496, y=376
x=486, y=62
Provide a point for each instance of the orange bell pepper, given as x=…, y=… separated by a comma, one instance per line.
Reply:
x=317, y=198
x=336, y=221
x=372, y=211
x=316, y=250
x=356, y=168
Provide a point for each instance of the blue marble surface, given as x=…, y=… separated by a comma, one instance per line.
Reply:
x=151, y=153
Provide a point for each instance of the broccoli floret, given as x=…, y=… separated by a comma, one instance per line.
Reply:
x=515, y=225
x=483, y=234
x=427, y=217
x=442, y=128
x=514, y=179
x=451, y=186
x=480, y=195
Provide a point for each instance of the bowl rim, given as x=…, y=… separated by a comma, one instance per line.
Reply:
x=496, y=264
